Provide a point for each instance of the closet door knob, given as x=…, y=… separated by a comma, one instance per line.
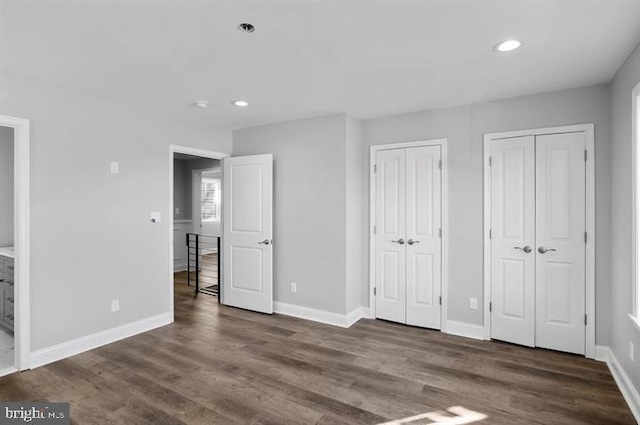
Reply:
x=411, y=241
x=543, y=250
x=400, y=241
x=526, y=249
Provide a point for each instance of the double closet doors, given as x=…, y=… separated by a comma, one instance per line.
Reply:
x=407, y=232
x=538, y=240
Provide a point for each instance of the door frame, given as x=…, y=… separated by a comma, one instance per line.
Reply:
x=590, y=290
x=173, y=149
x=445, y=221
x=21, y=238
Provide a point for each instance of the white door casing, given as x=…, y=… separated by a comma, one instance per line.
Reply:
x=560, y=242
x=248, y=232
x=513, y=240
x=423, y=230
x=390, y=257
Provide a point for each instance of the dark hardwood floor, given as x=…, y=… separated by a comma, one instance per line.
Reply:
x=220, y=365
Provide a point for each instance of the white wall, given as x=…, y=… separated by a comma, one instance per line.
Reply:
x=622, y=330
x=310, y=197
x=353, y=224
x=463, y=127
x=91, y=237
x=6, y=186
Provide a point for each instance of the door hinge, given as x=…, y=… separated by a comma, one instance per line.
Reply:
x=490, y=306
x=440, y=232
x=585, y=319
x=440, y=299
x=490, y=161
x=375, y=229
x=374, y=291
x=585, y=237
x=375, y=168
x=489, y=233
x=440, y=165
x=585, y=155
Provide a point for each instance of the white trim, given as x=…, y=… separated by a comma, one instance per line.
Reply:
x=321, y=316
x=22, y=143
x=8, y=371
x=189, y=151
x=445, y=220
x=588, y=130
x=629, y=392
x=635, y=290
x=89, y=342
x=467, y=330
x=635, y=321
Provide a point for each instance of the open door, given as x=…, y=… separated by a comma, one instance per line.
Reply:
x=247, y=272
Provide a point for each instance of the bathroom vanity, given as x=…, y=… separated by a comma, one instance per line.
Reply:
x=7, y=287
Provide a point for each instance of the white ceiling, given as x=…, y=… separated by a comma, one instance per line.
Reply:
x=308, y=58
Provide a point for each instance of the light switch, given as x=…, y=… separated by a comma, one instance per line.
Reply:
x=115, y=168
x=156, y=216
x=177, y=211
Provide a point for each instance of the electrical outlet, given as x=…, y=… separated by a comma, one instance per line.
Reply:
x=115, y=168
x=473, y=303
x=294, y=287
x=631, y=353
x=115, y=305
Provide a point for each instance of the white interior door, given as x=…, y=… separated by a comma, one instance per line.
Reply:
x=390, y=252
x=423, y=233
x=247, y=238
x=560, y=242
x=513, y=240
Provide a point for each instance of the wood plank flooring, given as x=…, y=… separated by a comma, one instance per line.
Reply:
x=220, y=365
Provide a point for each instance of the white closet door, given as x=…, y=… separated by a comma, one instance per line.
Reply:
x=423, y=245
x=560, y=243
x=248, y=223
x=390, y=233
x=513, y=240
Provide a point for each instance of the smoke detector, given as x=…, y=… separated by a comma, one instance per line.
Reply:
x=246, y=27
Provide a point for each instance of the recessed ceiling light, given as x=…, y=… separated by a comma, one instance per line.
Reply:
x=240, y=103
x=201, y=104
x=246, y=27
x=507, y=46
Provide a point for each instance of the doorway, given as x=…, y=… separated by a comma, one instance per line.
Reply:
x=539, y=238
x=408, y=233
x=14, y=244
x=245, y=225
x=197, y=219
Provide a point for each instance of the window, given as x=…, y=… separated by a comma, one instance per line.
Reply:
x=210, y=196
x=636, y=203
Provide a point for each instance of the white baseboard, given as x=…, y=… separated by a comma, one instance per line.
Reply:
x=629, y=392
x=180, y=267
x=89, y=342
x=468, y=330
x=322, y=316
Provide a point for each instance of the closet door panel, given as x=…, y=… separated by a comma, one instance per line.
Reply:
x=560, y=243
x=513, y=240
x=424, y=244
x=390, y=276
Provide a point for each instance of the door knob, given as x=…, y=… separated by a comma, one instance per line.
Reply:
x=526, y=248
x=411, y=241
x=400, y=241
x=542, y=250
x=265, y=242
